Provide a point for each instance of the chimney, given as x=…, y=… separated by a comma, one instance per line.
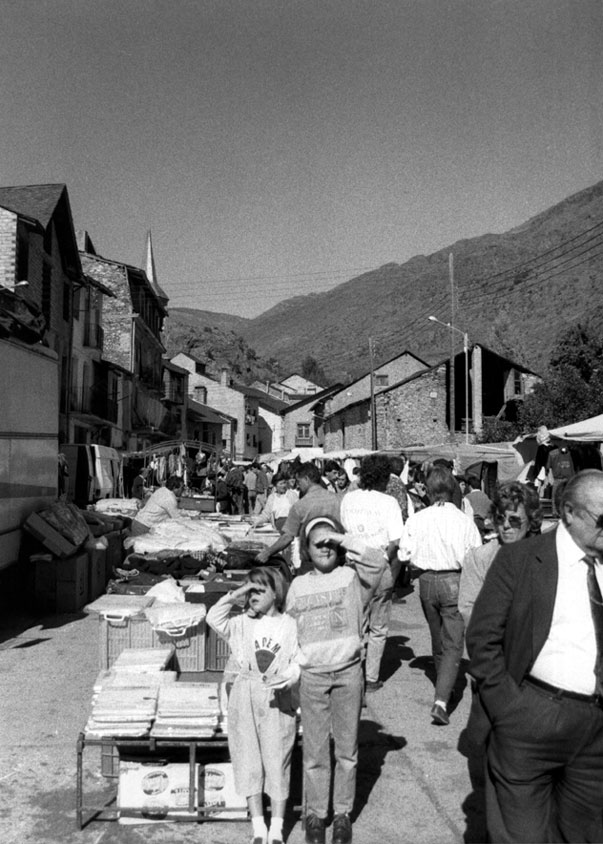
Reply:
x=224, y=378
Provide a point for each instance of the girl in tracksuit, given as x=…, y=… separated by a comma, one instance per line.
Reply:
x=261, y=706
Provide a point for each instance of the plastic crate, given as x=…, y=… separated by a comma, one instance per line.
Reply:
x=216, y=651
x=136, y=632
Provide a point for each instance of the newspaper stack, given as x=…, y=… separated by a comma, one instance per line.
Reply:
x=188, y=710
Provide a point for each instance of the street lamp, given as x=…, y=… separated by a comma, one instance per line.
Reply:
x=465, y=337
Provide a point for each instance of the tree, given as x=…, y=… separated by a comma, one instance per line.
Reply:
x=313, y=371
x=572, y=388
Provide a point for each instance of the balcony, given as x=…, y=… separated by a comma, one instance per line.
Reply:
x=93, y=335
x=304, y=442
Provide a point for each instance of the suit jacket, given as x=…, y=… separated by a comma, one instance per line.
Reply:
x=511, y=619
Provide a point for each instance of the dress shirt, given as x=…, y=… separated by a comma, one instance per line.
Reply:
x=438, y=538
x=568, y=657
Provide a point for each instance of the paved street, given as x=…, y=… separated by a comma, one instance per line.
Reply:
x=413, y=783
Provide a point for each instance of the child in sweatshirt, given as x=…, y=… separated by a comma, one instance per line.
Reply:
x=261, y=717
x=328, y=604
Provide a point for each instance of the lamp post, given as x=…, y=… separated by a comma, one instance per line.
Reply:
x=465, y=337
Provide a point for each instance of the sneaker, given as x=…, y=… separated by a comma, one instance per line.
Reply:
x=373, y=685
x=315, y=830
x=439, y=715
x=342, y=829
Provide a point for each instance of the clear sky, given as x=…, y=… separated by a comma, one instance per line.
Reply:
x=280, y=147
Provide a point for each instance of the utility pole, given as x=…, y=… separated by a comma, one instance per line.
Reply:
x=452, y=405
x=373, y=415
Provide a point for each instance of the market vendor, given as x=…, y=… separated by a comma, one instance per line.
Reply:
x=162, y=505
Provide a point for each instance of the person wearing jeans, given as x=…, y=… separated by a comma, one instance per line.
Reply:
x=439, y=593
x=330, y=703
x=328, y=605
x=435, y=541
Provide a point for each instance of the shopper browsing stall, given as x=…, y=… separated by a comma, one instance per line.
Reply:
x=261, y=711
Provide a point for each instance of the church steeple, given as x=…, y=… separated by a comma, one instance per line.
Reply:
x=149, y=268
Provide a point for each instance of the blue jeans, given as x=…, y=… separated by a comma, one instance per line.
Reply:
x=439, y=598
x=330, y=705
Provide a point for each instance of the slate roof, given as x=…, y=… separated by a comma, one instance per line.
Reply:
x=35, y=201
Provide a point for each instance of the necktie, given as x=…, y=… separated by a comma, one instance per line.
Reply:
x=596, y=608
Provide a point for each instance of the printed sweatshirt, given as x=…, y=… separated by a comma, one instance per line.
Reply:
x=264, y=648
x=328, y=609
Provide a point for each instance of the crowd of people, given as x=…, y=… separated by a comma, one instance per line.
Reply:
x=526, y=605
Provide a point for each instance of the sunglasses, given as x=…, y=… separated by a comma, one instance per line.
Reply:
x=596, y=517
x=514, y=521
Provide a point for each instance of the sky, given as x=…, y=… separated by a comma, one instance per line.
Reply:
x=276, y=148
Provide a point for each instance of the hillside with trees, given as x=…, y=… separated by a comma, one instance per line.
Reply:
x=516, y=293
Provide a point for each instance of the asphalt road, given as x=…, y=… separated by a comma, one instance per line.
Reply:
x=414, y=783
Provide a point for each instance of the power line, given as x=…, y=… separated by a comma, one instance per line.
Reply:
x=539, y=279
x=515, y=267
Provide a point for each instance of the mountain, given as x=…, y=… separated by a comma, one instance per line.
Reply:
x=216, y=338
x=515, y=292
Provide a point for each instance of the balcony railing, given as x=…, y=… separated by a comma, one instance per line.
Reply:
x=93, y=335
x=302, y=442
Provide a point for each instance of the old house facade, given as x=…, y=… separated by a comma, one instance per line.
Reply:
x=240, y=440
x=132, y=322
x=39, y=259
x=416, y=409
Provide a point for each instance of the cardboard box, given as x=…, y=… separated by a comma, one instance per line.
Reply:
x=48, y=536
x=61, y=585
x=158, y=791
x=155, y=791
x=72, y=583
x=217, y=791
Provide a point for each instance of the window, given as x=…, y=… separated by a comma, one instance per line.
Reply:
x=303, y=430
x=517, y=383
x=381, y=380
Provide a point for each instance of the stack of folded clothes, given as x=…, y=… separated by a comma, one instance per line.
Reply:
x=122, y=712
x=143, y=660
x=188, y=710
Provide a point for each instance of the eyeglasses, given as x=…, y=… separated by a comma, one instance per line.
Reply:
x=596, y=517
x=514, y=521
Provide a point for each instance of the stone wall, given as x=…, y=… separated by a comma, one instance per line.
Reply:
x=414, y=413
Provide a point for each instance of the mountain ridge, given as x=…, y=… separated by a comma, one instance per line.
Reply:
x=515, y=292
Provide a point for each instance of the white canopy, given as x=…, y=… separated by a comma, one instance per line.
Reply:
x=587, y=431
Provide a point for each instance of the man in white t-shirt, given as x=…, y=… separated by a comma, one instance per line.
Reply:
x=376, y=518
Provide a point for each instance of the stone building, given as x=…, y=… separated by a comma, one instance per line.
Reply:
x=132, y=322
x=240, y=439
x=303, y=422
x=416, y=409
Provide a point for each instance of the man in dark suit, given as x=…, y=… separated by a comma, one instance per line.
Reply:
x=536, y=640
